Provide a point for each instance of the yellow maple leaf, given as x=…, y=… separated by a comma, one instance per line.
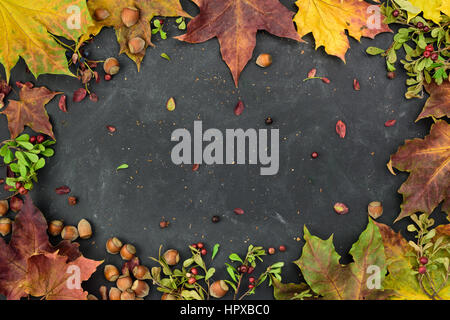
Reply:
x=431, y=9
x=445, y=8
x=327, y=20
x=26, y=25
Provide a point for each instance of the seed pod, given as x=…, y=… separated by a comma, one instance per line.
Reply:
x=113, y=245
x=375, y=209
x=84, y=229
x=172, y=257
x=127, y=252
x=130, y=16
x=5, y=226
x=69, y=233
x=140, y=288
x=4, y=207
x=55, y=227
x=218, y=289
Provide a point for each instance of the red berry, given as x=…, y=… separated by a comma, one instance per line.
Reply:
x=396, y=13
x=314, y=155
x=204, y=252
x=434, y=56
x=161, y=21
x=251, y=286
x=200, y=245
x=33, y=139
x=326, y=80
x=423, y=260
x=192, y=280
x=251, y=279
x=194, y=271
x=243, y=269
x=40, y=138
x=18, y=185
x=271, y=250
x=426, y=29
x=250, y=270
x=422, y=269
x=420, y=25
x=429, y=47
x=23, y=191
x=108, y=77
x=427, y=54
x=282, y=248
x=194, y=246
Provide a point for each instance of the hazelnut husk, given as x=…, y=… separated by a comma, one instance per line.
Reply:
x=141, y=272
x=375, y=209
x=127, y=252
x=84, y=229
x=168, y=296
x=124, y=283
x=4, y=207
x=128, y=295
x=113, y=245
x=101, y=14
x=111, y=66
x=5, y=226
x=114, y=293
x=130, y=16
x=218, y=289
x=111, y=272
x=140, y=288
x=172, y=257
x=264, y=60
x=69, y=233
x=136, y=45
x=55, y=227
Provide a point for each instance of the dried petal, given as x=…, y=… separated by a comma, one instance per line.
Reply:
x=74, y=58
x=171, y=105
x=238, y=211
x=93, y=97
x=111, y=129
x=62, y=190
x=390, y=123
x=86, y=76
x=79, y=95
x=326, y=80
x=195, y=167
x=340, y=208
x=341, y=129
x=96, y=76
x=356, y=85
x=62, y=103
x=312, y=73
x=5, y=88
x=239, y=108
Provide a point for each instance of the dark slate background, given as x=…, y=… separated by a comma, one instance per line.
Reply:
x=129, y=204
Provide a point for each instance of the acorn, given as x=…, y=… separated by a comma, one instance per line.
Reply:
x=124, y=283
x=5, y=226
x=55, y=227
x=130, y=16
x=69, y=233
x=141, y=272
x=168, y=296
x=113, y=245
x=84, y=229
x=218, y=289
x=127, y=252
x=4, y=207
x=128, y=295
x=114, y=293
x=101, y=14
x=140, y=288
x=136, y=45
x=111, y=273
x=172, y=257
x=264, y=60
x=375, y=209
x=111, y=66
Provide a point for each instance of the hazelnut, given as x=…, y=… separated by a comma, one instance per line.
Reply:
x=111, y=66
x=141, y=272
x=55, y=227
x=127, y=252
x=130, y=16
x=218, y=289
x=4, y=207
x=140, y=288
x=91, y=297
x=101, y=14
x=114, y=293
x=124, y=283
x=5, y=226
x=136, y=45
x=113, y=245
x=111, y=272
x=168, y=296
x=172, y=257
x=375, y=209
x=103, y=292
x=264, y=60
x=84, y=229
x=69, y=233
x=128, y=295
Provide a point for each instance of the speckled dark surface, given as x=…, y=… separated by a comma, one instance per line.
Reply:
x=129, y=204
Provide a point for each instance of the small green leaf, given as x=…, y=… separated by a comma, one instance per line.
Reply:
x=40, y=164
x=165, y=56
x=374, y=51
x=48, y=152
x=23, y=138
x=231, y=273
x=122, y=166
x=33, y=158
x=235, y=257
x=210, y=273
x=215, y=251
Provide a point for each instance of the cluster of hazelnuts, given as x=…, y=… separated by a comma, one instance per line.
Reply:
x=70, y=233
x=130, y=16
x=15, y=205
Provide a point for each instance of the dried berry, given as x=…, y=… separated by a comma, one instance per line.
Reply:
x=423, y=260
x=312, y=73
x=422, y=270
x=356, y=85
x=314, y=155
x=391, y=75
x=271, y=250
x=195, y=167
x=79, y=95
x=215, y=219
x=395, y=13
x=203, y=252
x=111, y=129
x=238, y=211
x=239, y=108
x=282, y=248
x=62, y=190
x=163, y=224
x=341, y=129
x=326, y=80
x=108, y=77
x=62, y=103
x=93, y=97
x=72, y=201
x=390, y=123
x=269, y=121
x=200, y=245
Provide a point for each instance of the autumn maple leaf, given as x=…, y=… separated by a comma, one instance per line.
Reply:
x=26, y=29
x=147, y=10
x=30, y=111
x=428, y=161
x=431, y=9
x=235, y=24
x=438, y=104
x=328, y=20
